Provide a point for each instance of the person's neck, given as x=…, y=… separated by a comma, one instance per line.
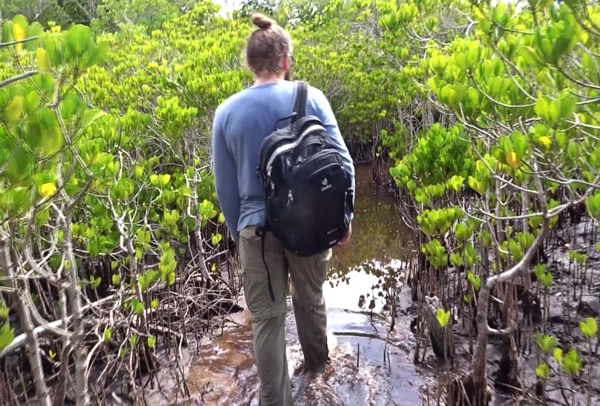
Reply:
x=267, y=79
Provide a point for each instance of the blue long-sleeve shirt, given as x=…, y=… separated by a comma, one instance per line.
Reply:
x=239, y=126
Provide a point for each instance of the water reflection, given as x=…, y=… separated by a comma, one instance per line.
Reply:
x=378, y=233
x=353, y=289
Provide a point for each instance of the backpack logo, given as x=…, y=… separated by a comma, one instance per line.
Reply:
x=326, y=185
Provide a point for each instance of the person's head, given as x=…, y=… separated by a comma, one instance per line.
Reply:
x=269, y=49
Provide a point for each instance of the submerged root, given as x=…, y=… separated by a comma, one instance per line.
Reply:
x=467, y=391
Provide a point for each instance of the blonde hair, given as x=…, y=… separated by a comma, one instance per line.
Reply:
x=266, y=46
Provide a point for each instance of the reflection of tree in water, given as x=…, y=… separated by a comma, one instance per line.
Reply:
x=378, y=233
x=381, y=246
x=388, y=275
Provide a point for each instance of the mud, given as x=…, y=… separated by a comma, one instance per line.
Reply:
x=573, y=296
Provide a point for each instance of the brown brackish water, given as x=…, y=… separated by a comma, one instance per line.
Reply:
x=370, y=366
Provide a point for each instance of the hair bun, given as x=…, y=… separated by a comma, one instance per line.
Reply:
x=262, y=21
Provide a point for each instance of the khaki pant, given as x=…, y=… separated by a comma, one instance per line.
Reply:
x=268, y=318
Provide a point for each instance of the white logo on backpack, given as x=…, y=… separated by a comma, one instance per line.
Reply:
x=326, y=185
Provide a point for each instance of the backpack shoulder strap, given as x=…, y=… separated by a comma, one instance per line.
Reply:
x=300, y=100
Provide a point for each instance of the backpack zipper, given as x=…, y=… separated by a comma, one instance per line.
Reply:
x=287, y=147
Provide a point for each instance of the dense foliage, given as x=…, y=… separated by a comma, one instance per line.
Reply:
x=107, y=203
x=521, y=86
x=111, y=238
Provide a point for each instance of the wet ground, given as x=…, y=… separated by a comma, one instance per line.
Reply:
x=369, y=365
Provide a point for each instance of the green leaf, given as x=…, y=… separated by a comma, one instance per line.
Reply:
x=13, y=111
x=475, y=184
x=151, y=341
x=530, y=56
x=96, y=54
x=133, y=340
x=456, y=259
x=163, y=180
x=137, y=306
x=546, y=343
x=171, y=278
x=7, y=31
x=474, y=280
x=589, y=327
x=568, y=105
x=456, y=182
x=571, y=363
x=42, y=59
x=78, y=40
x=558, y=355
x=572, y=150
x=116, y=279
x=541, y=108
x=108, y=333
x=520, y=143
x=543, y=371
x=216, y=239
x=7, y=335
x=443, y=317
x=90, y=116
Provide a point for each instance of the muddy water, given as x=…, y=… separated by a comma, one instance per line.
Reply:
x=369, y=365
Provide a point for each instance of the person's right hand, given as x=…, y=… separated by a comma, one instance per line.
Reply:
x=344, y=240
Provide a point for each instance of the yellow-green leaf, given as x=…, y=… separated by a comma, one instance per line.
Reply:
x=7, y=335
x=107, y=335
x=530, y=56
x=443, y=317
x=542, y=371
x=19, y=26
x=541, y=108
x=14, y=109
x=513, y=160
x=546, y=142
x=90, y=116
x=116, y=279
x=47, y=189
x=42, y=59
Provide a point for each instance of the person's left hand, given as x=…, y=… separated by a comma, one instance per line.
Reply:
x=346, y=238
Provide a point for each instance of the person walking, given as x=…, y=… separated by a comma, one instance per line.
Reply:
x=240, y=124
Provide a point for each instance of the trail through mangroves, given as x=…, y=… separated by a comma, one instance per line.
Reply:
x=370, y=365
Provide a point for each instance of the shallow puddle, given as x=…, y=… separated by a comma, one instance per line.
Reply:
x=368, y=365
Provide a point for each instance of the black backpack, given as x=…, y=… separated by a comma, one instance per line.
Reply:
x=308, y=193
